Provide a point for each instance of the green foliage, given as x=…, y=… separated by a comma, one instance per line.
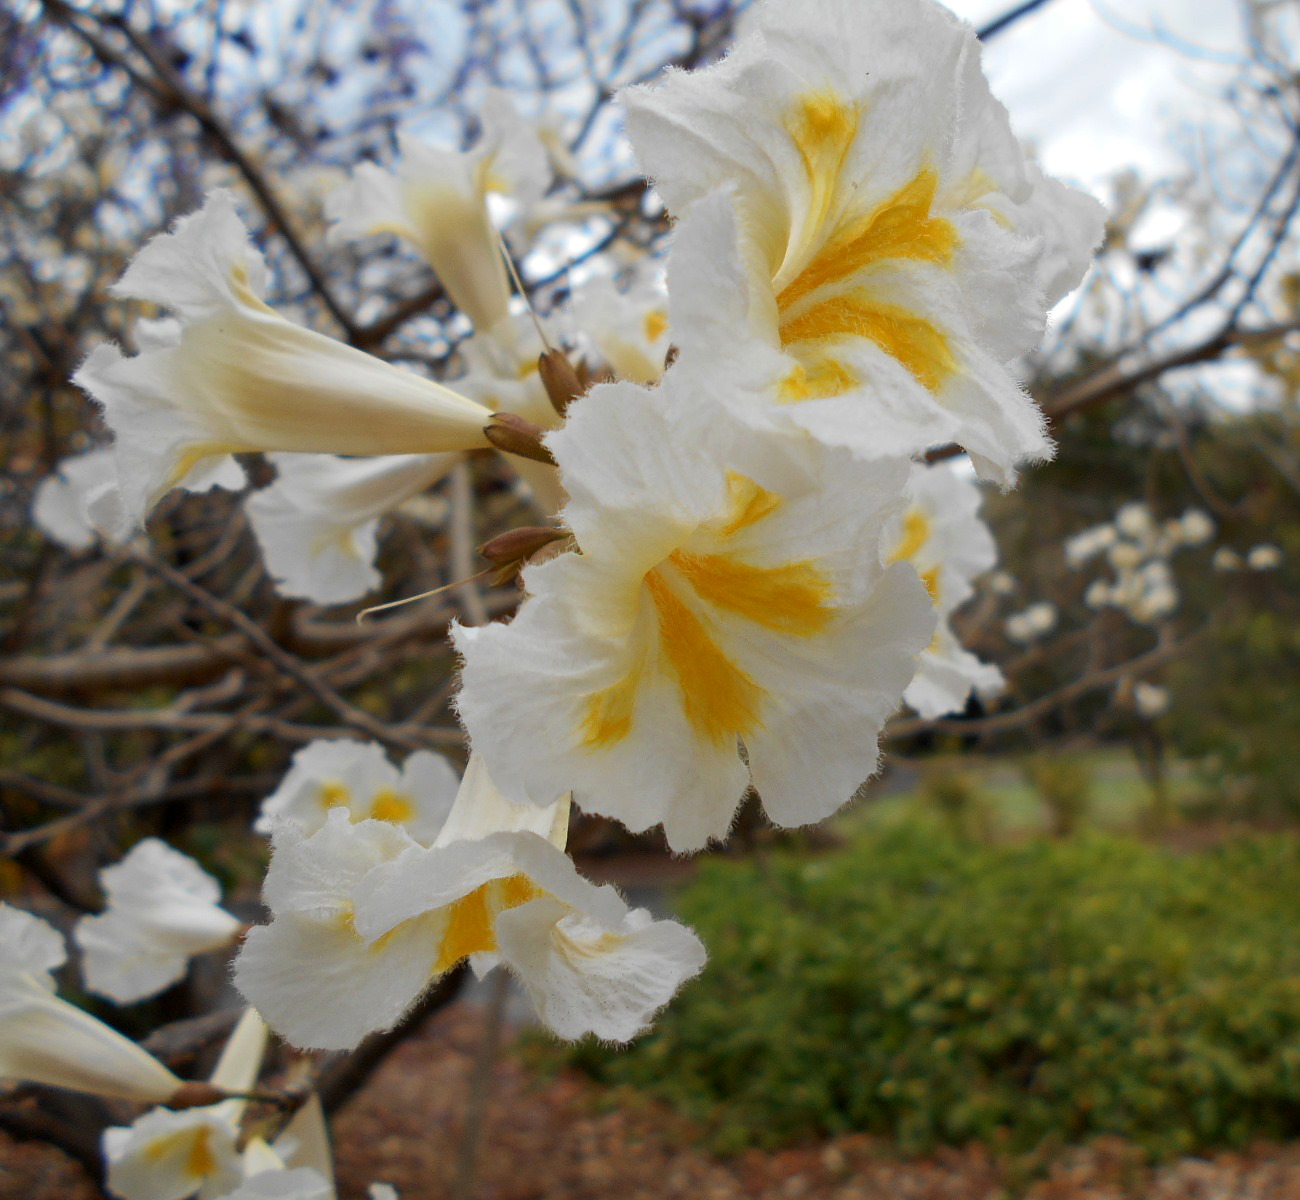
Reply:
x=937, y=991
x=1064, y=785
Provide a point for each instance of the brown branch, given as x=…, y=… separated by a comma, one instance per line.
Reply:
x=169, y=90
x=1028, y=713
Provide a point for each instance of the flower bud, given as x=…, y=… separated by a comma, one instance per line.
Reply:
x=561, y=381
x=518, y=435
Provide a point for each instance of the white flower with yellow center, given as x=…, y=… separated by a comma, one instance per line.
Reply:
x=47, y=1040
x=627, y=329
x=437, y=200
x=369, y=918
x=236, y=376
x=162, y=909
x=941, y=534
x=168, y=1155
x=318, y=524
x=358, y=778
x=852, y=198
x=704, y=612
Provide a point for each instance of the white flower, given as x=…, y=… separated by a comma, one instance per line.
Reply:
x=628, y=329
x=162, y=909
x=1089, y=543
x=1000, y=583
x=1264, y=557
x=1134, y=520
x=169, y=1155
x=704, y=608
x=358, y=778
x=239, y=377
x=366, y=916
x=940, y=533
x=1195, y=527
x=1150, y=699
x=1226, y=559
x=437, y=200
x=317, y=524
x=1034, y=622
x=47, y=1040
x=1099, y=595
x=852, y=200
x=77, y=501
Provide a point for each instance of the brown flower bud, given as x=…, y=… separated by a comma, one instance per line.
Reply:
x=517, y=435
x=517, y=546
x=196, y=1095
x=563, y=384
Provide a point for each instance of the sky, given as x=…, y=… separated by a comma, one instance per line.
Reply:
x=1090, y=84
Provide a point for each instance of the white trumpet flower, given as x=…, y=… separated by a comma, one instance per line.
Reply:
x=704, y=610
x=162, y=909
x=941, y=534
x=358, y=778
x=852, y=200
x=168, y=1155
x=367, y=916
x=318, y=523
x=627, y=329
x=47, y=1040
x=437, y=200
x=240, y=377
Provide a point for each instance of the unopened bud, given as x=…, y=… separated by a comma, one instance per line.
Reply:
x=519, y=545
x=517, y=435
x=563, y=384
x=196, y=1095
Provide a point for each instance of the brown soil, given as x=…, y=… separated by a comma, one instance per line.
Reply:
x=561, y=1139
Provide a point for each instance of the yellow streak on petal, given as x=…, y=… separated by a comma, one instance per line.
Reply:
x=931, y=580
x=822, y=127
x=201, y=1159
x=471, y=920
x=391, y=805
x=912, y=340
x=191, y=456
x=334, y=794
x=916, y=532
x=901, y=227
x=718, y=698
x=607, y=719
x=195, y=1143
x=747, y=503
x=818, y=380
x=793, y=598
x=656, y=322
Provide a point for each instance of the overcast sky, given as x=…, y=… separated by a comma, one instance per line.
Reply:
x=1096, y=96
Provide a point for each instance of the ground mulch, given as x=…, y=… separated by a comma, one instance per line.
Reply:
x=561, y=1138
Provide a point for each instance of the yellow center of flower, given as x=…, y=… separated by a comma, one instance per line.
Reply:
x=334, y=794
x=193, y=1146
x=391, y=805
x=694, y=597
x=471, y=920
x=825, y=293
x=656, y=324
x=915, y=536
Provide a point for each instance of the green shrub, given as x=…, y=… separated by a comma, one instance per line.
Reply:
x=1065, y=787
x=937, y=991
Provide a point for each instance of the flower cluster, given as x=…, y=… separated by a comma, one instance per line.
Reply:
x=750, y=564
x=1138, y=550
